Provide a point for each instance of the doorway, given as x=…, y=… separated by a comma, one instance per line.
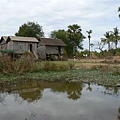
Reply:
x=31, y=49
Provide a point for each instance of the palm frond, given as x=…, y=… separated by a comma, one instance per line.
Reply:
x=119, y=9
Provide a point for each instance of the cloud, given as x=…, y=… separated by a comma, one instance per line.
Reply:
x=98, y=15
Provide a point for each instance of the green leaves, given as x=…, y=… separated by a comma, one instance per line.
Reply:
x=30, y=29
x=89, y=32
x=73, y=38
x=119, y=11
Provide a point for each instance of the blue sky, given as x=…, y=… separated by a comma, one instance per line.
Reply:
x=98, y=15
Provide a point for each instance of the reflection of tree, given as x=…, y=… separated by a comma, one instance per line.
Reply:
x=2, y=98
x=111, y=90
x=73, y=90
x=59, y=87
x=89, y=88
x=31, y=95
x=119, y=113
x=30, y=91
x=115, y=90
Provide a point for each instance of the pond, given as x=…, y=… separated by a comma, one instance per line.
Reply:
x=35, y=100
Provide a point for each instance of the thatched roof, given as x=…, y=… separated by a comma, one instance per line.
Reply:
x=52, y=42
x=22, y=39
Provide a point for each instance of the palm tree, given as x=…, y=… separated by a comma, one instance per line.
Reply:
x=89, y=32
x=107, y=39
x=75, y=36
x=119, y=12
x=115, y=36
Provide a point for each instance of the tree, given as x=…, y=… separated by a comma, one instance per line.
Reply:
x=75, y=37
x=62, y=34
x=100, y=46
x=119, y=12
x=89, y=32
x=107, y=39
x=115, y=36
x=30, y=29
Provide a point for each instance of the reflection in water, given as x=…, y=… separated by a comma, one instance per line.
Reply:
x=112, y=91
x=119, y=113
x=2, y=98
x=57, y=100
x=89, y=87
x=32, y=90
x=72, y=89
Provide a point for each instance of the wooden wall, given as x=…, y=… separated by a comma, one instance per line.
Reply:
x=21, y=47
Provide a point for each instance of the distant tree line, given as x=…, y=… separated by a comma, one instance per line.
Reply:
x=73, y=38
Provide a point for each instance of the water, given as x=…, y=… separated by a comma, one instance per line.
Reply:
x=35, y=100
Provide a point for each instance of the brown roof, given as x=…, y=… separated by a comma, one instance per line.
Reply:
x=23, y=39
x=53, y=42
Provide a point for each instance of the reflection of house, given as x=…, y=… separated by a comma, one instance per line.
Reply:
x=48, y=47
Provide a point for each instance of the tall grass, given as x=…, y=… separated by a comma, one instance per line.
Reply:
x=114, y=70
x=8, y=66
x=26, y=64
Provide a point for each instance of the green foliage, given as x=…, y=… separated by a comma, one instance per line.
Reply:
x=115, y=36
x=107, y=39
x=8, y=66
x=75, y=35
x=119, y=12
x=30, y=29
x=53, y=66
x=89, y=32
x=89, y=36
x=62, y=34
x=73, y=38
x=26, y=64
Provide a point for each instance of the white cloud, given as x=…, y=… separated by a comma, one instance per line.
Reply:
x=98, y=15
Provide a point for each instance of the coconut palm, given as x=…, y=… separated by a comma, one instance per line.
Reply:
x=119, y=12
x=75, y=36
x=115, y=36
x=107, y=39
x=89, y=32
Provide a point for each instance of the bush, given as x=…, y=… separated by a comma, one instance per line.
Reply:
x=53, y=66
x=7, y=65
x=26, y=64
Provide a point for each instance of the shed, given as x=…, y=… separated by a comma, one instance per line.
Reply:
x=49, y=47
x=22, y=44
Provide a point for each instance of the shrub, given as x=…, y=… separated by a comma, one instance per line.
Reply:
x=27, y=64
x=7, y=65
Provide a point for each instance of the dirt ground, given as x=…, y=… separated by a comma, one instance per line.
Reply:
x=90, y=62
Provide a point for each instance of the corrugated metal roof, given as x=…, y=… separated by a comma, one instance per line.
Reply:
x=52, y=42
x=24, y=39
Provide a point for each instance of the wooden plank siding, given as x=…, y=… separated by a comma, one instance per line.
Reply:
x=22, y=44
x=48, y=46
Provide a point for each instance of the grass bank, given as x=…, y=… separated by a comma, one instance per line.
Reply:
x=75, y=75
x=72, y=71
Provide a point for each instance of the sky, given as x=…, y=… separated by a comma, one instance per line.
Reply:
x=100, y=16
